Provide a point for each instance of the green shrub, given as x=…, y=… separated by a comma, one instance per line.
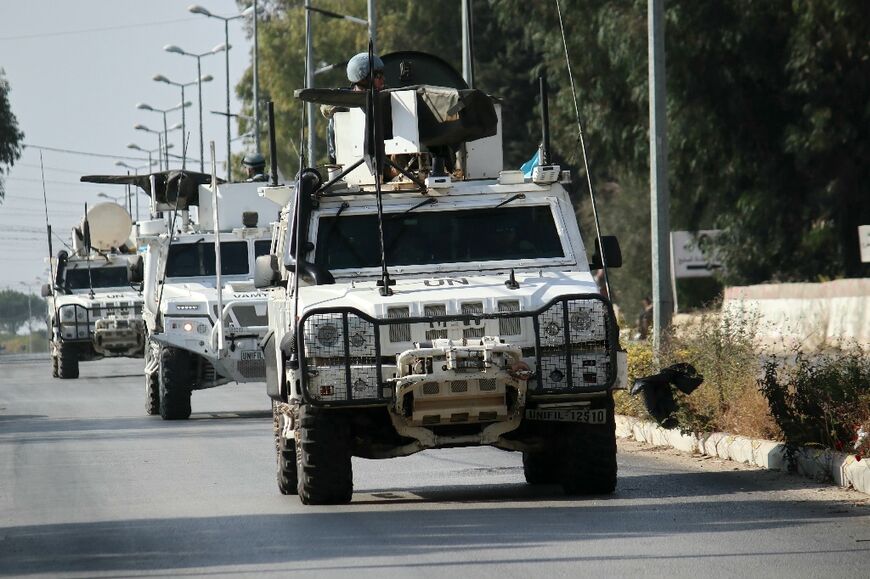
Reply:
x=821, y=400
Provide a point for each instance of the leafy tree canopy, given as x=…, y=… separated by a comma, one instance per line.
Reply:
x=14, y=311
x=10, y=135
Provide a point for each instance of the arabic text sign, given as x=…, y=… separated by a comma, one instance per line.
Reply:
x=692, y=253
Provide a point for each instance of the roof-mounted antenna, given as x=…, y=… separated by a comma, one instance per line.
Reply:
x=374, y=158
x=273, y=147
x=545, y=119
x=86, y=233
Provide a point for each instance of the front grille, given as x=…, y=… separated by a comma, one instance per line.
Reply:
x=252, y=369
x=570, y=345
x=457, y=386
x=399, y=332
x=475, y=308
x=435, y=311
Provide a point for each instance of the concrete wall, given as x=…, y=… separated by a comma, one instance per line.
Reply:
x=815, y=315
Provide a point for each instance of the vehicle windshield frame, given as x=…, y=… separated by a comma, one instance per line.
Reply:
x=450, y=206
x=207, y=246
x=95, y=276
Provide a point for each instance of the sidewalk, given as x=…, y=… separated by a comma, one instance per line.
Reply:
x=819, y=464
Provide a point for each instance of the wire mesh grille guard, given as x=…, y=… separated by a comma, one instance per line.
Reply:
x=570, y=345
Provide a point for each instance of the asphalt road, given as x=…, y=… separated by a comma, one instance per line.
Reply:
x=91, y=487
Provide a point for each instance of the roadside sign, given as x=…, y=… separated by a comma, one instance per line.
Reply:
x=693, y=253
x=864, y=240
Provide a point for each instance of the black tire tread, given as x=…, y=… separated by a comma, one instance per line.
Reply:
x=323, y=457
x=175, y=388
x=540, y=468
x=590, y=457
x=67, y=362
x=285, y=450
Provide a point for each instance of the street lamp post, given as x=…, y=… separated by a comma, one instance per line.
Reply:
x=159, y=149
x=198, y=56
x=183, y=85
x=196, y=9
x=147, y=107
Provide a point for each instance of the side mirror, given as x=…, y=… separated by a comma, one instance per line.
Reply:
x=266, y=271
x=46, y=290
x=312, y=273
x=612, y=253
x=136, y=270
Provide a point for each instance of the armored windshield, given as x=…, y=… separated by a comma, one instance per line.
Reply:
x=473, y=235
x=78, y=278
x=197, y=259
x=262, y=247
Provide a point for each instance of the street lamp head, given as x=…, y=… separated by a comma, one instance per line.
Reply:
x=161, y=78
x=134, y=146
x=197, y=9
x=173, y=48
x=176, y=126
x=144, y=107
x=141, y=128
x=117, y=164
x=220, y=48
x=206, y=78
x=248, y=11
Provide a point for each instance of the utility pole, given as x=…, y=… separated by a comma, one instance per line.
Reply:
x=373, y=28
x=467, y=44
x=256, y=84
x=662, y=298
x=309, y=83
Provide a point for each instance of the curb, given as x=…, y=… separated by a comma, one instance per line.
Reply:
x=821, y=465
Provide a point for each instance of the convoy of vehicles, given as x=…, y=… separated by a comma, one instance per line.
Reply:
x=93, y=312
x=434, y=309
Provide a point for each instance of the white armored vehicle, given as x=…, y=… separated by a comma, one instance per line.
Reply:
x=93, y=312
x=203, y=315
x=431, y=308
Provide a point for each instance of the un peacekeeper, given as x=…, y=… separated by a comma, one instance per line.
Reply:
x=255, y=168
x=358, y=75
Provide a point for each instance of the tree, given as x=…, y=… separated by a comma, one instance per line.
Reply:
x=10, y=135
x=15, y=312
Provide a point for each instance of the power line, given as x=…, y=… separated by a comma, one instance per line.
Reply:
x=84, y=153
x=101, y=29
x=73, y=171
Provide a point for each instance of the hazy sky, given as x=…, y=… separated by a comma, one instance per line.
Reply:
x=77, y=69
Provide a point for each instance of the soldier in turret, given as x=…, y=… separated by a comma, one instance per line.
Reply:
x=255, y=168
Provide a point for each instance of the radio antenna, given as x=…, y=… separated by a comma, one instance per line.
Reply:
x=582, y=143
x=52, y=281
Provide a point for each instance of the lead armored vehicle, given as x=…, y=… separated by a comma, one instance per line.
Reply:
x=203, y=315
x=414, y=307
x=93, y=313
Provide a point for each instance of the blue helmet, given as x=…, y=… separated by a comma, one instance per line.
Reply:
x=254, y=160
x=358, y=66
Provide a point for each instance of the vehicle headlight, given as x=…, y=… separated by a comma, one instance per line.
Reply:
x=67, y=315
x=324, y=336
x=191, y=326
x=587, y=322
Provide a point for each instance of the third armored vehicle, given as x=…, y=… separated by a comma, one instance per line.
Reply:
x=92, y=310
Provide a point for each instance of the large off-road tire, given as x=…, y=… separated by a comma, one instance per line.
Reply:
x=285, y=450
x=541, y=468
x=323, y=457
x=67, y=361
x=589, y=456
x=174, y=384
x=152, y=385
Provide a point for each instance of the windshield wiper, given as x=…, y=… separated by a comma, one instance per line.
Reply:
x=427, y=201
x=511, y=198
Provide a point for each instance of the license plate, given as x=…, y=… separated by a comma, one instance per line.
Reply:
x=584, y=415
x=252, y=355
